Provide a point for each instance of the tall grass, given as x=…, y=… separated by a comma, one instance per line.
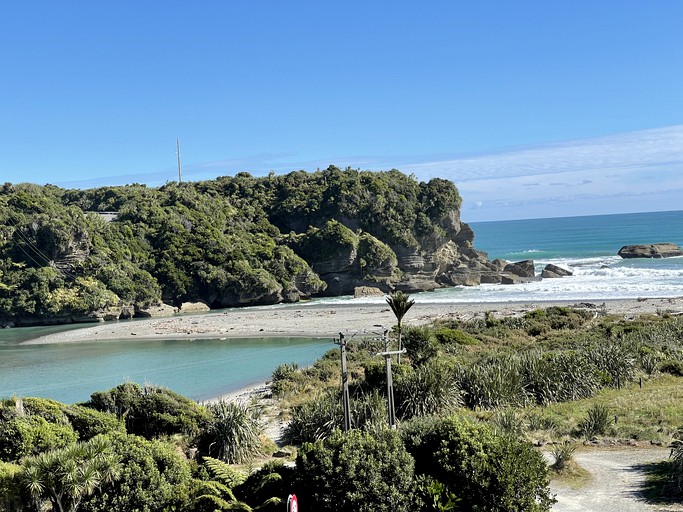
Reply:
x=234, y=431
x=596, y=422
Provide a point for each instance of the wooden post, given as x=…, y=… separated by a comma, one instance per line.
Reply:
x=346, y=402
x=390, y=385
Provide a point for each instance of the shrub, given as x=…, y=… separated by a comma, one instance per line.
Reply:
x=420, y=344
x=150, y=411
x=559, y=377
x=485, y=470
x=88, y=422
x=672, y=367
x=509, y=421
x=454, y=336
x=283, y=379
x=556, y=318
x=267, y=488
x=355, y=471
x=616, y=361
x=11, y=493
x=315, y=419
x=153, y=477
x=494, y=383
x=30, y=435
x=538, y=421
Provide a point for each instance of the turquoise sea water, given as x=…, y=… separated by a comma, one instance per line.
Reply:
x=587, y=246
x=577, y=238
x=204, y=368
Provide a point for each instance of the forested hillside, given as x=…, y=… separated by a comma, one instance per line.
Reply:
x=226, y=242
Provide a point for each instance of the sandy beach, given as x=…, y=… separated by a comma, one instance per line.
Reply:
x=329, y=320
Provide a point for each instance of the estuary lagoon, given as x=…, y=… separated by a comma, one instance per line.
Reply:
x=197, y=368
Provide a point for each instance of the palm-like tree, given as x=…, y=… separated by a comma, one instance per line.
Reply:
x=66, y=476
x=399, y=303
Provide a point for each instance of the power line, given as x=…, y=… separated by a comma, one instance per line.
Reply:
x=35, y=248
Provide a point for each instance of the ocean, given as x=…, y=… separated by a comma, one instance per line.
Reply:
x=587, y=246
x=203, y=368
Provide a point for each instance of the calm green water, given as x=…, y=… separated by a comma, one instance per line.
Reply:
x=198, y=369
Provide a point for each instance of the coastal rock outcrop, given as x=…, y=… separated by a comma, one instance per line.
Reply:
x=155, y=310
x=553, y=271
x=193, y=307
x=659, y=250
x=521, y=269
x=367, y=291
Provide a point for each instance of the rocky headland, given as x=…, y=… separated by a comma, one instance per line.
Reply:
x=659, y=250
x=121, y=252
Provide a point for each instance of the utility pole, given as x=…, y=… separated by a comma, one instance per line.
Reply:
x=346, y=402
x=390, y=384
x=180, y=169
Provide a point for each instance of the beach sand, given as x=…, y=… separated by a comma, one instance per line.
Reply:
x=326, y=321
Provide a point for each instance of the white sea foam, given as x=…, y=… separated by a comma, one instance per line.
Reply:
x=595, y=278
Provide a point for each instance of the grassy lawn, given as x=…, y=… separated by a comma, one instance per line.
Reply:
x=651, y=413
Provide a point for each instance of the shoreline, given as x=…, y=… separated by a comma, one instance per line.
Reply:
x=327, y=321
x=241, y=395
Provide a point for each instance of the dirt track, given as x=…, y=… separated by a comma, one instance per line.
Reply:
x=617, y=481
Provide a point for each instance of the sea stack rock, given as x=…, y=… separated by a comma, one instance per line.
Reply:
x=521, y=268
x=660, y=250
x=553, y=271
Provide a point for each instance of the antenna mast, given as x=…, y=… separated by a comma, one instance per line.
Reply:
x=180, y=169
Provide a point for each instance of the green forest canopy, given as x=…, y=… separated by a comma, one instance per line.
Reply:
x=230, y=241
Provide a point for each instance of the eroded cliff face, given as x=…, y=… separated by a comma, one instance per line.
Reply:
x=443, y=258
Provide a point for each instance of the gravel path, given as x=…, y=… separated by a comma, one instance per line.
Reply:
x=616, y=482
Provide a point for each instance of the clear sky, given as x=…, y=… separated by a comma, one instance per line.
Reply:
x=534, y=108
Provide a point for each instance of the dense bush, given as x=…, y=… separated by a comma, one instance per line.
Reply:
x=446, y=335
x=153, y=477
x=496, y=382
x=12, y=495
x=29, y=435
x=485, y=470
x=267, y=488
x=356, y=471
x=150, y=411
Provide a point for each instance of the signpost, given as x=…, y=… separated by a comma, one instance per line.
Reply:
x=292, y=503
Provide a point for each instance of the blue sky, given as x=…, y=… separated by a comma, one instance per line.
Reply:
x=533, y=108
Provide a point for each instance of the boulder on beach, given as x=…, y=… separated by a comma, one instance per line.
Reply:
x=160, y=309
x=360, y=292
x=659, y=250
x=193, y=307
